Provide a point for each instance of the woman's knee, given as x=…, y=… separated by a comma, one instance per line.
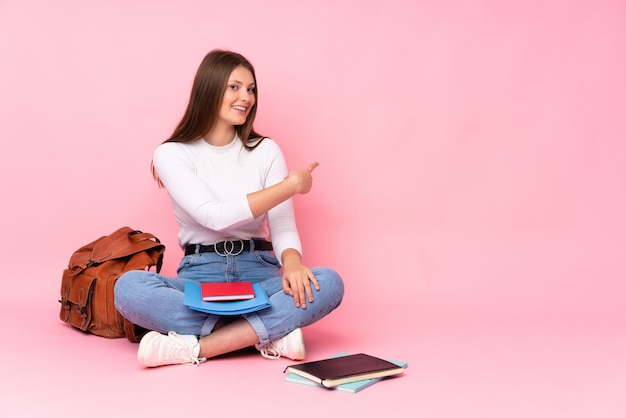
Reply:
x=329, y=279
x=127, y=284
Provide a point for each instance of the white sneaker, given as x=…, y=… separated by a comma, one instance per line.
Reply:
x=290, y=346
x=156, y=349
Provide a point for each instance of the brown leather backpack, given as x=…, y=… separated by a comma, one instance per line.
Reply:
x=87, y=285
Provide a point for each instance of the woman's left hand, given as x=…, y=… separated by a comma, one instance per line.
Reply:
x=297, y=280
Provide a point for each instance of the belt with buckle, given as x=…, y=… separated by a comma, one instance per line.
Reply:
x=230, y=247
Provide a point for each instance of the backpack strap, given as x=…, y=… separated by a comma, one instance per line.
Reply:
x=122, y=243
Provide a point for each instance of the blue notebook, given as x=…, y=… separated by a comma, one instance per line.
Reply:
x=193, y=299
x=352, y=387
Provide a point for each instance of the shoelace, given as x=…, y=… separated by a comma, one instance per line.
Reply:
x=181, y=349
x=270, y=352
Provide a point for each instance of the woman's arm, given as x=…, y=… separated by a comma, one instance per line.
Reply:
x=296, y=182
x=178, y=168
x=194, y=185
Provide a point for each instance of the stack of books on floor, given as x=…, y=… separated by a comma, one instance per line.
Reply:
x=344, y=372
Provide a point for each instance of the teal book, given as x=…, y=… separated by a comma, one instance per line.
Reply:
x=351, y=387
x=193, y=299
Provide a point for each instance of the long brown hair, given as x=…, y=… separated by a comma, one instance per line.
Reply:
x=206, y=96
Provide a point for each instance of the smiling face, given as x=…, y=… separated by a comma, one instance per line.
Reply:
x=239, y=98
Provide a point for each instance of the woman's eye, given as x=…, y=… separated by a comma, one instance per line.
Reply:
x=233, y=87
x=251, y=90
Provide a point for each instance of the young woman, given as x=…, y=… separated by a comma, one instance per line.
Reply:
x=231, y=195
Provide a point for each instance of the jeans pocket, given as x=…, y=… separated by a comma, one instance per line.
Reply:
x=184, y=264
x=267, y=257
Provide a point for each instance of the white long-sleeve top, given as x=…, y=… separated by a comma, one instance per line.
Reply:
x=208, y=185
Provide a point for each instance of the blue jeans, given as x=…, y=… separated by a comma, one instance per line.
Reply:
x=155, y=302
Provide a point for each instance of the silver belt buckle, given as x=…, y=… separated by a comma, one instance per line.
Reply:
x=231, y=247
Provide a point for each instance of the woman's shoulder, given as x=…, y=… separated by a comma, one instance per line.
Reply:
x=170, y=151
x=177, y=147
x=265, y=143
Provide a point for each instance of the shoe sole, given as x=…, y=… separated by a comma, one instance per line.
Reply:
x=146, y=342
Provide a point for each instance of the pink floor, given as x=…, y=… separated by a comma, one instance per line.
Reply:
x=458, y=367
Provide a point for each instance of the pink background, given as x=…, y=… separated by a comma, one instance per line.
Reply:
x=470, y=192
